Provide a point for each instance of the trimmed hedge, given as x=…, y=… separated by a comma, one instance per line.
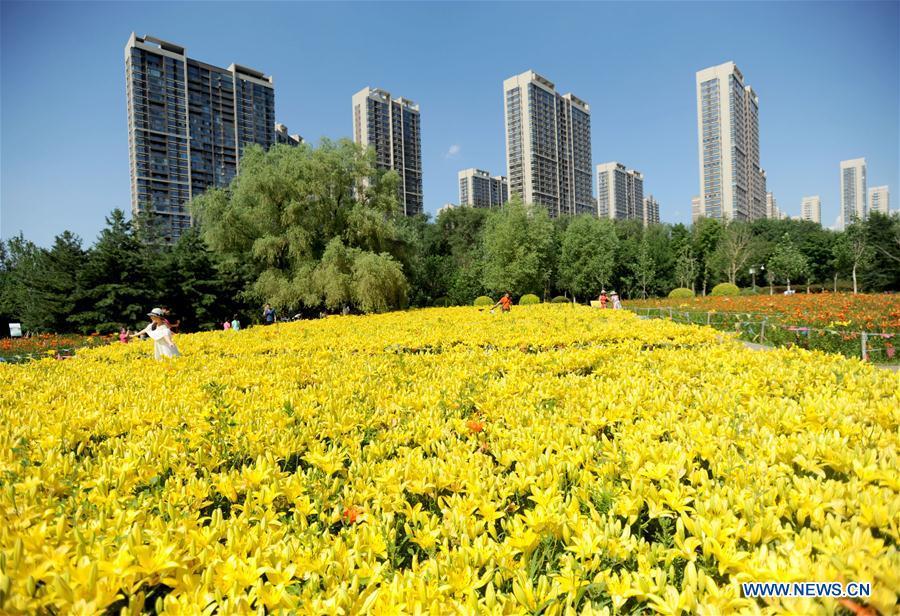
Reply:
x=483, y=300
x=750, y=291
x=559, y=299
x=529, y=299
x=681, y=293
x=725, y=289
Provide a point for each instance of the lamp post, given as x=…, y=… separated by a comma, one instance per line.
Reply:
x=753, y=271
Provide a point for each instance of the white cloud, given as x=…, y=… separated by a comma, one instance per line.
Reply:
x=453, y=151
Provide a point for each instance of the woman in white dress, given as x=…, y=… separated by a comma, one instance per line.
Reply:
x=158, y=330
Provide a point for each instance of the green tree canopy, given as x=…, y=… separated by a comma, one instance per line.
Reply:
x=518, y=249
x=587, y=256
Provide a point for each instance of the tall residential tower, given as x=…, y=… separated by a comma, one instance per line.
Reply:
x=880, y=199
x=854, y=204
x=811, y=209
x=188, y=124
x=479, y=189
x=548, y=145
x=620, y=192
x=391, y=127
x=732, y=183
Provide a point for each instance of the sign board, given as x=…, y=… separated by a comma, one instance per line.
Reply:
x=15, y=330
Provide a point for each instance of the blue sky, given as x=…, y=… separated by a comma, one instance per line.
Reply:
x=827, y=74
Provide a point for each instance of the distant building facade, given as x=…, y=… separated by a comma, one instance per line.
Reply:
x=283, y=136
x=811, y=209
x=548, y=145
x=392, y=127
x=651, y=211
x=479, y=188
x=853, y=191
x=620, y=192
x=188, y=124
x=696, y=211
x=880, y=199
x=732, y=183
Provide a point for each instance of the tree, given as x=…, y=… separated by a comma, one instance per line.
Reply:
x=518, y=249
x=645, y=268
x=115, y=288
x=882, y=271
x=378, y=283
x=852, y=250
x=734, y=250
x=285, y=207
x=787, y=262
x=705, y=239
x=686, y=268
x=22, y=269
x=587, y=255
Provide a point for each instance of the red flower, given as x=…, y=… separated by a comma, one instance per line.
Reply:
x=475, y=426
x=351, y=514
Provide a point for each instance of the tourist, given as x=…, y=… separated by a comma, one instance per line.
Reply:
x=614, y=298
x=235, y=324
x=269, y=316
x=504, y=302
x=603, y=298
x=226, y=325
x=158, y=330
x=123, y=335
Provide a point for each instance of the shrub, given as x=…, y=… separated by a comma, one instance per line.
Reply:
x=750, y=291
x=681, y=293
x=529, y=299
x=442, y=302
x=725, y=289
x=483, y=300
x=559, y=299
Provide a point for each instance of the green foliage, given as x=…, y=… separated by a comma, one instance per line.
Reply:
x=483, y=300
x=318, y=226
x=378, y=283
x=559, y=299
x=725, y=289
x=681, y=293
x=529, y=299
x=518, y=249
x=587, y=255
x=787, y=262
x=442, y=302
x=749, y=291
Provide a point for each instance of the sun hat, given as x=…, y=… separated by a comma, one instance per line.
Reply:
x=157, y=312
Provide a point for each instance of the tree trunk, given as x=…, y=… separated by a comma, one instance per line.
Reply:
x=854, y=279
x=835, y=282
x=789, y=285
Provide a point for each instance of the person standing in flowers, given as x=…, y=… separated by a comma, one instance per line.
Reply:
x=158, y=330
x=603, y=298
x=235, y=324
x=505, y=303
x=269, y=316
x=614, y=298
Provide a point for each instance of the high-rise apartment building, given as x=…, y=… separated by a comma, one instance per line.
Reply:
x=548, y=145
x=853, y=191
x=811, y=209
x=391, y=126
x=696, y=212
x=732, y=183
x=771, y=207
x=620, y=192
x=282, y=135
x=479, y=189
x=650, y=211
x=188, y=124
x=880, y=199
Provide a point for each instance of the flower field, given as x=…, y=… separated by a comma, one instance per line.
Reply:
x=831, y=322
x=555, y=460
x=64, y=345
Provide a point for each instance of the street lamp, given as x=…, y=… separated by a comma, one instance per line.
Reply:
x=753, y=271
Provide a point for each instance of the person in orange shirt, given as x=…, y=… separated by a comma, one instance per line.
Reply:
x=505, y=303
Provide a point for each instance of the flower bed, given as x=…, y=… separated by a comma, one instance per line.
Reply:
x=547, y=460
